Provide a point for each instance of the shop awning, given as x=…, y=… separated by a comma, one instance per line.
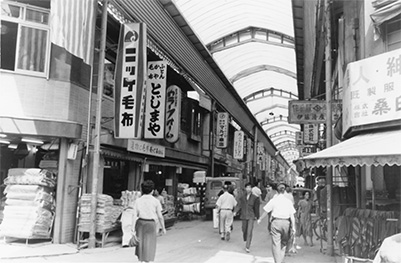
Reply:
x=381, y=148
x=387, y=11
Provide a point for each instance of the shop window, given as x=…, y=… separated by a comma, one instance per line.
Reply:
x=393, y=33
x=25, y=39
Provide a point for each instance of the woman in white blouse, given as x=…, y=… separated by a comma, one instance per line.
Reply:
x=147, y=210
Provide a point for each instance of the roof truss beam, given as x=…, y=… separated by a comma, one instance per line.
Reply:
x=280, y=118
x=251, y=34
x=282, y=133
x=271, y=92
x=285, y=125
x=252, y=70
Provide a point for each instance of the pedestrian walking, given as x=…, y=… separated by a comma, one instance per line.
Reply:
x=281, y=222
x=304, y=218
x=225, y=206
x=147, y=210
x=249, y=207
x=271, y=192
x=256, y=190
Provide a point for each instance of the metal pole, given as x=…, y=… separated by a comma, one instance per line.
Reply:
x=255, y=155
x=96, y=153
x=329, y=176
x=212, y=138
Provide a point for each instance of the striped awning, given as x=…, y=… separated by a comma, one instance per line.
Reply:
x=380, y=148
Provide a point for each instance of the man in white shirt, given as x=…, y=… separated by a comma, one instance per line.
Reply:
x=281, y=222
x=225, y=205
x=256, y=190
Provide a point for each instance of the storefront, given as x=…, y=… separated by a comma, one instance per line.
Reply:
x=369, y=154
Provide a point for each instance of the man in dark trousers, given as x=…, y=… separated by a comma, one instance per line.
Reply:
x=249, y=207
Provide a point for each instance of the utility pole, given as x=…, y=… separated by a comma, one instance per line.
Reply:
x=96, y=153
x=212, y=138
x=329, y=125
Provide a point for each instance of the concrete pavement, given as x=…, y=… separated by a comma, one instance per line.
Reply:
x=190, y=241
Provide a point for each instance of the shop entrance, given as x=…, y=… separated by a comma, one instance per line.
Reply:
x=115, y=177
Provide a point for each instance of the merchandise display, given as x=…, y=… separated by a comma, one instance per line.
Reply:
x=30, y=203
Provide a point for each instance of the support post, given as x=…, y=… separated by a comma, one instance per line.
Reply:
x=96, y=153
x=212, y=138
x=255, y=155
x=329, y=175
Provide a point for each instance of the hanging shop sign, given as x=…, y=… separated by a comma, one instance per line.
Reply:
x=311, y=133
x=311, y=111
x=222, y=130
x=299, y=138
x=372, y=90
x=173, y=114
x=155, y=100
x=130, y=79
x=306, y=150
x=138, y=146
x=262, y=164
x=259, y=152
x=238, y=145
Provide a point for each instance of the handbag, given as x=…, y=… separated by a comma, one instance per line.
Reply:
x=134, y=241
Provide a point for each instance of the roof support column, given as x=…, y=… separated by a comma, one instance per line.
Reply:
x=329, y=175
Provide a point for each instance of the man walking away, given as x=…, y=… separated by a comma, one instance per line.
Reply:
x=249, y=207
x=225, y=205
x=256, y=190
x=282, y=222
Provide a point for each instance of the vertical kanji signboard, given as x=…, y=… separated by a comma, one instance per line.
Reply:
x=130, y=81
x=222, y=130
x=238, y=145
x=372, y=90
x=155, y=100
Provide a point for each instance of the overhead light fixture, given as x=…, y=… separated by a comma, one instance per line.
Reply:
x=4, y=142
x=31, y=141
x=12, y=146
x=3, y=135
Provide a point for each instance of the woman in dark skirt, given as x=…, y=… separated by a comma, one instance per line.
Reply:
x=147, y=210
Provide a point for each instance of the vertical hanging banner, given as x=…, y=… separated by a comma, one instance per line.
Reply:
x=130, y=80
x=173, y=114
x=260, y=151
x=311, y=133
x=238, y=145
x=299, y=140
x=155, y=100
x=222, y=130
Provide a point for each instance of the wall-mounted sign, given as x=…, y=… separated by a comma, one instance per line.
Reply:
x=263, y=162
x=238, y=145
x=311, y=111
x=173, y=114
x=372, y=90
x=299, y=138
x=147, y=148
x=311, y=133
x=155, y=100
x=222, y=130
x=130, y=81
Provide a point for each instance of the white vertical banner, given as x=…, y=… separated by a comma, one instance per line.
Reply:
x=222, y=130
x=311, y=133
x=260, y=152
x=238, y=145
x=130, y=79
x=173, y=114
x=155, y=100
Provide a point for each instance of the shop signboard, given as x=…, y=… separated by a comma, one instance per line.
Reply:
x=306, y=150
x=311, y=133
x=372, y=90
x=312, y=111
x=263, y=162
x=173, y=114
x=130, y=79
x=259, y=152
x=138, y=146
x=155, y=100
x=238, y=145
x=299, y=140
x=222, y=130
